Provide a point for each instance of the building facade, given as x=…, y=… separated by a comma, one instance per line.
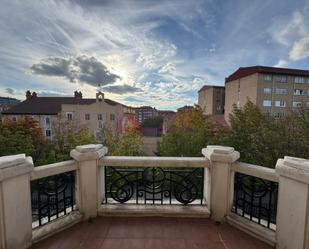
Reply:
x=93, y=113
x=211, y=99
x=275, y=91
x=6, y=103
x=145, y=112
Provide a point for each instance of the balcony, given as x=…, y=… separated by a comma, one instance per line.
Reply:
x=100, y=201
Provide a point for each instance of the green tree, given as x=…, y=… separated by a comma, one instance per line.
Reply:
x=127, y=143
x=189, y=134
x=253, y=135
x=68, y=134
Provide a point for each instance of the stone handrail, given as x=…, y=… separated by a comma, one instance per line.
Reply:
x=176, y=162
x=53, y=169
x=255, y=170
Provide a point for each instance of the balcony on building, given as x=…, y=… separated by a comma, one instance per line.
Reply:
x=101, y=201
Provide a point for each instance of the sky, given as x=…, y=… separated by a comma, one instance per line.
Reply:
x=144, y=52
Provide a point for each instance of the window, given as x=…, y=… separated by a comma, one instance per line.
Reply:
x=307, y=104
x=280, y=103
x=100, y=124
x=267, y=103
x=112, y=116
x=100, y=116
x=281, y=91
x=278, y=114
x=282, y=78
x=87, y=116
x=14, y=119
x=69, y=115
x=297, y=104
x=268, y=77
x=298, y=92
x=267, y=90
x=47, y=120
x=299, y=80
x=48, y=133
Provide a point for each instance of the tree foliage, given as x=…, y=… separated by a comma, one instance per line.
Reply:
x=262, y=140
x=127, y=143
x=189, y=134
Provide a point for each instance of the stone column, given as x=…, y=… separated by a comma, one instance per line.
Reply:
x=221, y=159
x=89, y=197
x=292, y=217
x=15, y=202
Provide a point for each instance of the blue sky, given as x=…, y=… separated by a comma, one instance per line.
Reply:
x=157, y=53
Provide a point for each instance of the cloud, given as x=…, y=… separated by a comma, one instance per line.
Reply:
x=168, y=68
x=121, y=89
x=10, y=91
x=82, y=69
x=300, y=49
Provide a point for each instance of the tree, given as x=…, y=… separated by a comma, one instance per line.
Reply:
x=67, y=134
x=262, y=140
x=252, y=134
x=127, y=143
x=191, y=132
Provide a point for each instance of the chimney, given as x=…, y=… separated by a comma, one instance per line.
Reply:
x=78, y=95
x=100, y=96
x=28, y=95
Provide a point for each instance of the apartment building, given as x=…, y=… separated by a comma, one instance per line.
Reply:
x=145, y=112
x=211, y=99
x=274, y=90
x=92, y=112
x=6, y=103
x=186, y=108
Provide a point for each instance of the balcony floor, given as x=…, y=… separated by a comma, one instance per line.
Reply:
x=150, y=232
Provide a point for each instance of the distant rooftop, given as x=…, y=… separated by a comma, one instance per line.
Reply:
x=246, y=71
x=50, y=105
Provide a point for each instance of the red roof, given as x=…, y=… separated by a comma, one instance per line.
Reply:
x=245, y=71
x=49, y=105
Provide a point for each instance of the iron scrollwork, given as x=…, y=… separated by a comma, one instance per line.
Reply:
x=154, y=185
x=256, y=199
x=52, y=197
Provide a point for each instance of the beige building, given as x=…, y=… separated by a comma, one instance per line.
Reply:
x=275, y=91
x=211, y=99
x=93, y=113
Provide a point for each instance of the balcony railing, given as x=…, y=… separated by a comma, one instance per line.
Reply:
x=255, y=194
x=165, y=185
x=217, y=186
x=52, y=194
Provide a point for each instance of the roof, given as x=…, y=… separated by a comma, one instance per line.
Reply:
x=246, y=71
x=49, y=105
x=210, y=86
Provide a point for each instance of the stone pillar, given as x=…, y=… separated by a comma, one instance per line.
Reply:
x=221, y=159
x=15, y=202
x=293, y=203
x=89, y=197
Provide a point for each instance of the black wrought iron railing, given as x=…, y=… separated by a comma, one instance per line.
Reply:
x=154, y=185
x=256, y=199
x=52, y=197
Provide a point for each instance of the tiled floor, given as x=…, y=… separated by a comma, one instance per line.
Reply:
x=150, y=232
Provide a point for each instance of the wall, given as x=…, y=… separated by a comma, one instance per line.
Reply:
x=247, y=87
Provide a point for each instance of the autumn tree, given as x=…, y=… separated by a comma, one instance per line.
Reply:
x=191, y=132
x=67, y=134
x=21, y=136
x=127, y=143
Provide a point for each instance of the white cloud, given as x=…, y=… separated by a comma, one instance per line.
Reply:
x=300, y=49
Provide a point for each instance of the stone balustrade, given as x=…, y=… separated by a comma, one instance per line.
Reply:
x=83, y=185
